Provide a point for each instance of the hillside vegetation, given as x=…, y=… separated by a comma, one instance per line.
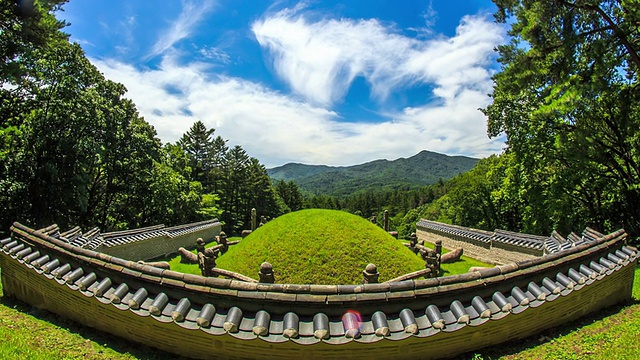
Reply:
x=421, y=169
x=320, y=247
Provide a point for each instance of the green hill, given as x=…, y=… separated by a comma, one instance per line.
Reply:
x=424, y=168
x=320, y=247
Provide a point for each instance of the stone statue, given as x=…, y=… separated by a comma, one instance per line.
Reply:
x=222, y=240
x=206, y=258
x=432, y=259
x=413, y=241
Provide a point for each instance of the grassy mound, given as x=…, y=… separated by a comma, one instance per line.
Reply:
x=320, y=247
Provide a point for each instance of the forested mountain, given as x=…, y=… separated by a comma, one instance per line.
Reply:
x=421, y=169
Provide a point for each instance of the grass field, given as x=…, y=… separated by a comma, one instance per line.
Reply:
x=458, y=267
x=307, y=254
x=29, y=333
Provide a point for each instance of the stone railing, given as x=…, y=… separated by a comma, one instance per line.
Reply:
x=266, y=320
x=499, y=246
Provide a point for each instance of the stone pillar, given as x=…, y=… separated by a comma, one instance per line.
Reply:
x=206, y=258
x=266, y=273
x=438, y=247
x=222, y=240
x=199, y=245
x=438, y=250
x=370, y=274
x=413, y=241
x=254, y=219
x=386, y=220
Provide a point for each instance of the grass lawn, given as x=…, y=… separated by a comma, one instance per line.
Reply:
x=28, y=333
x=310, y=251
x=458, y=267
x=318, y=246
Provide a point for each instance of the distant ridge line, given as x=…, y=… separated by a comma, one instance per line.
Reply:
x=422, y=169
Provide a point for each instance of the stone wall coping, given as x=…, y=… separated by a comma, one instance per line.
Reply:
x=444, y=284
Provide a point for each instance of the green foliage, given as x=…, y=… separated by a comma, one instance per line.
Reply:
x=381, y=175
x=321, y=247
x=567, y=99
x=238, y=181
x=208, y=208
x=73, y=150
x=198, y=145
x=487, y=197
x=290, y=195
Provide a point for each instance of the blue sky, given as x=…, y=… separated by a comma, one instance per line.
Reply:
x=316, y=82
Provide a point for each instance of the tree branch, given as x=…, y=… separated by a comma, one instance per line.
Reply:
x=618, y=33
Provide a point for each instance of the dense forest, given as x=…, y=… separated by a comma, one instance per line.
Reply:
x=75, y=151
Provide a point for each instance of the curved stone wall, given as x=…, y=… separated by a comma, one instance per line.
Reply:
x=204, y=317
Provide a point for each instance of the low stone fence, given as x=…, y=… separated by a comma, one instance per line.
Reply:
x=159, y=243
x=479, y=244
x=205, y=317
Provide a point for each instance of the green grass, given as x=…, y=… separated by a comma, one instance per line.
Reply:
x=330, y=247
x=28, y=333
x=175, y=264
x=320, y=247
x=612, y=333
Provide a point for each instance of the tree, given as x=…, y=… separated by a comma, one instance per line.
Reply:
x=290, y=194
x=73, y=150
x=197, y=142
x=567, y=99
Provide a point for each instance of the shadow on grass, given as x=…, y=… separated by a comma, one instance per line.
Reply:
x=104, y=339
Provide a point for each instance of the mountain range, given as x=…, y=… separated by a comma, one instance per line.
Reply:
x=424, y=168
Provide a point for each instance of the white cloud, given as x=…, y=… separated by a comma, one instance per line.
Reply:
x=319, y=60
x=277, y=128
x=182, y=27
x=215, y=54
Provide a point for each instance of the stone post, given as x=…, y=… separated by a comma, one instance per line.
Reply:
x=386, y=220
x=370, y=274
x=266, y=273
x=413, y=241
x=206, y=258
x=254, y=219
x=438, y=250
x=222, y=240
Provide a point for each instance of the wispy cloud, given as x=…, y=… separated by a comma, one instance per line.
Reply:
x=192, y=13
x=215, y=54
x=320, y=60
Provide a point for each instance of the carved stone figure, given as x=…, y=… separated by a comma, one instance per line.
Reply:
x=222, y=240
x=207, y=259
x=413, y=241
x=432, y=259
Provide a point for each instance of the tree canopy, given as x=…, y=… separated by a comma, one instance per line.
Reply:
x=75, y=151
x=567, y=99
